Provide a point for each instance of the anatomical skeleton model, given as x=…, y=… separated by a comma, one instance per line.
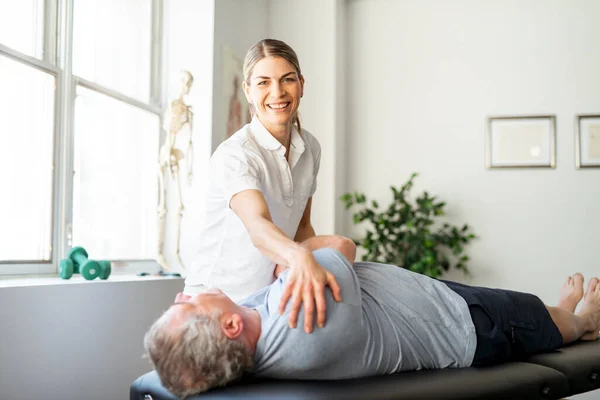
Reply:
x=177, y=117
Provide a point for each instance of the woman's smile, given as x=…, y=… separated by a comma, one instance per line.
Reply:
x=279, y=107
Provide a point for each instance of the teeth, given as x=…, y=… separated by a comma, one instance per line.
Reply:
x=278, y=106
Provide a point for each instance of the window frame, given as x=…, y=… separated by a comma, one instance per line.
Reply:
x=57, y=60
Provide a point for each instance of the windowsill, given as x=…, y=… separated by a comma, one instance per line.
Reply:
x=12, y=275
x=52, y=280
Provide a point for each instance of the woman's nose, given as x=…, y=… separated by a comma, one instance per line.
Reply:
x=277, y=90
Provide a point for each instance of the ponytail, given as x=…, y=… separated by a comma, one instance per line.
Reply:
x=296, y=121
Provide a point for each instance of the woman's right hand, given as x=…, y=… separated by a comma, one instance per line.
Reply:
x=306, y=283
x=279, y=270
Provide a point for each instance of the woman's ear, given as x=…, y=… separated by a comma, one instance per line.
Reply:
x=301, y=85
x=247, y=91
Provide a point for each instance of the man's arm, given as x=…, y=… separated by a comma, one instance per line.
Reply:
x=305, y=229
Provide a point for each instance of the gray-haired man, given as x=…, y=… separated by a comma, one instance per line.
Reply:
x=389, y=320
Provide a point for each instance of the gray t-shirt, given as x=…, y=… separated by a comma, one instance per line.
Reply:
x=389, y=320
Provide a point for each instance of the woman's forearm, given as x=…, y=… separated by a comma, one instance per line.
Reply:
x=251, y=207
x=273, y=243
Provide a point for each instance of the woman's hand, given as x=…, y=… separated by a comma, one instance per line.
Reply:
x=279, y=270
x=306, y=283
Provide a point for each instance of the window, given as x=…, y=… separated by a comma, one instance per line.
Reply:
x=22, y=26
x=80, y=117
x=27, y=115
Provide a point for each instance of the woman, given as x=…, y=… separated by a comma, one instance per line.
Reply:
x=262, y=180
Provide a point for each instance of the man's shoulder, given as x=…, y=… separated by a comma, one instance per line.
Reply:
x=256, y=299
x=336, y=263
x=331, y=258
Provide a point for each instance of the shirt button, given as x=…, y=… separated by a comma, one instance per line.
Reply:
x=289, y=202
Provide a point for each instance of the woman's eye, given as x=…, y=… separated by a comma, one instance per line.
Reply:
x=262, y=83
x=290, y=80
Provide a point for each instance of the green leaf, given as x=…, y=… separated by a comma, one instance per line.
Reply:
x=408, y=233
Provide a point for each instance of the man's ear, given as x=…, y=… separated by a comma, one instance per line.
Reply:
x=247, y=91
x=232, y=326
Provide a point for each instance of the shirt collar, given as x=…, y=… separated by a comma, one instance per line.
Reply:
x=268, y=141
x=263, y=136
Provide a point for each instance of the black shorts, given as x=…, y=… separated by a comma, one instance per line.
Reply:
x=509, y=325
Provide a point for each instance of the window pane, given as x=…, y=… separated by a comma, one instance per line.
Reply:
x=22, y=26
x=115, y=182
x=111, y=44
x=26, y=152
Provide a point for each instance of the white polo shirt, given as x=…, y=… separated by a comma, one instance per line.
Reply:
x=251, y=159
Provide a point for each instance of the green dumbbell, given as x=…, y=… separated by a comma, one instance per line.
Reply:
x=89, y=269
x=105, y=269
x=66, y=268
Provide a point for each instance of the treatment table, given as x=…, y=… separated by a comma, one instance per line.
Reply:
x=567, y=371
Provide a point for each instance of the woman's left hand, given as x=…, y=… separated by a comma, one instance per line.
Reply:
x=306, y=284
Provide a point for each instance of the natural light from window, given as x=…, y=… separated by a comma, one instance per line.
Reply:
x=112, y=43
x=80, y=131
x=115, y=175
x=22, y=28
x=26, y=154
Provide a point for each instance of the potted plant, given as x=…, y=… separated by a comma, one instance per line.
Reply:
x=407, y=232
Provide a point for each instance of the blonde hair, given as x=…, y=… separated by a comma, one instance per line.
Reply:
x=271, y=48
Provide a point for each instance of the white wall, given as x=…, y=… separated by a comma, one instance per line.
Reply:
x=77, y=340
x=423, y=76
x=189, y=26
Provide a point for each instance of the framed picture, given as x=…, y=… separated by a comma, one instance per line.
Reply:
x=587, y=141
x=521, y=141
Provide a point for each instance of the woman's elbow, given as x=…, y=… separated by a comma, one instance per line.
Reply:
x=347, y=247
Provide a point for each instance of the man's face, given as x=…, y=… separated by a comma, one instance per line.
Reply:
x=205, y=303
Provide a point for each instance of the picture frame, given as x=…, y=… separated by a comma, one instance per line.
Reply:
x=587, y=141
x=521, y=141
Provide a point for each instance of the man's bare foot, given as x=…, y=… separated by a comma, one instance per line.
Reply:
x=591, y=308
x=571, y=293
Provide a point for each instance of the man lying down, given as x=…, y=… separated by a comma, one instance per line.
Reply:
x=389, y=320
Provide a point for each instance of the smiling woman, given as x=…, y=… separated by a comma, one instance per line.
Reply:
x=274, y=92
x=262, y=180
